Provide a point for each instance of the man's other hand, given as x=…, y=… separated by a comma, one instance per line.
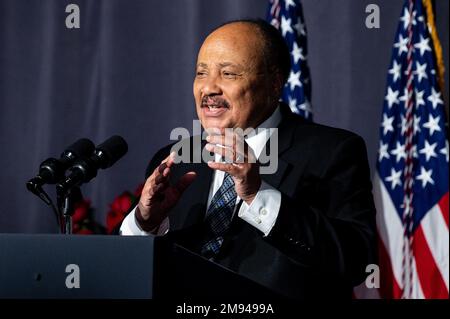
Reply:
x=158, y=196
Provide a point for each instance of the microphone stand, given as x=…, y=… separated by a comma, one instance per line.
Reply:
x=66, y=199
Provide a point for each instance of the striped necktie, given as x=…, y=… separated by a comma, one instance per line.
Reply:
x=219, y=215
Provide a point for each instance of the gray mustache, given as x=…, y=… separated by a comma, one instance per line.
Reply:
x=208, y=100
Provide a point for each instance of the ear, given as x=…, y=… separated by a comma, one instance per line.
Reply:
x=277, y=85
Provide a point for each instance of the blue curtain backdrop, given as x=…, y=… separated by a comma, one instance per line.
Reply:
x=129, y=69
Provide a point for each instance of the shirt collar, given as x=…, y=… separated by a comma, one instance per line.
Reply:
x=262, y=133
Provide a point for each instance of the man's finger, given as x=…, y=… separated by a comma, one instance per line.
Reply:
x=166, y=163
x=169, y=159
x=171, y=155
x=163, y=176
x=235, y=142
x=162, y=167
x=230, y=168
x=185, y=181
x=228, y=140
x=216, y=139
x=219, y=150
x=228, y=153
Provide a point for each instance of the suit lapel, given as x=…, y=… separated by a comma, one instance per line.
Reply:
x=285, y=137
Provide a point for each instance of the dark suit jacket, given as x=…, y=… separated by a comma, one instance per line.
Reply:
x=324, y=236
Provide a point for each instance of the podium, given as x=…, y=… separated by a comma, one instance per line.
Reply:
x=113, y=267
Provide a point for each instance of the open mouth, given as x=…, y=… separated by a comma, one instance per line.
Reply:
x=214, y=110
x=214, y=106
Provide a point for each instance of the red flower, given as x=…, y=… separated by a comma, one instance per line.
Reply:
x=122, y=203
x=81, y=211
x=119, y=208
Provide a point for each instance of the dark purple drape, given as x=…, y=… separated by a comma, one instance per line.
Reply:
x=129, y=69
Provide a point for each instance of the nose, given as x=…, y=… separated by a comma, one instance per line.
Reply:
x=211, y=86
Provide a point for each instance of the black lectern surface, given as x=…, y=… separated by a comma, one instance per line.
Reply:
x=117, y=267
x=63, y=266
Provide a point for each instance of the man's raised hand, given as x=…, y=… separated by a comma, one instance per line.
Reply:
x=158, y=196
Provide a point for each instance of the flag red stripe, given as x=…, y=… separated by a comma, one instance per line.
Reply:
x=389, y=288
x=431, y=281
x=443, y=205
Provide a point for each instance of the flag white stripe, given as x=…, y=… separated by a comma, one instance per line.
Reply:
x=436, y=234
x=390, y=228
x=417, y=292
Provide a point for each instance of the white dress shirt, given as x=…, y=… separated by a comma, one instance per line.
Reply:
x=263, y=211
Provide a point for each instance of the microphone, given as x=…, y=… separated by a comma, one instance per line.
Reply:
x=85, y=169
x=53, y=170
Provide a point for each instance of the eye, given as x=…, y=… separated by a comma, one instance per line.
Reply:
x=229, y=75
x=200, y=74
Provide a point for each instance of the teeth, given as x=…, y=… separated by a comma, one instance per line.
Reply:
x=212, y=107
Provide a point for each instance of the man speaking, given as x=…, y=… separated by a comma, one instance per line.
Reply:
x=312, y=220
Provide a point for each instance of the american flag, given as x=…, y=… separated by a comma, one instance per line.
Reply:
x=411, y=183
x=287, y=16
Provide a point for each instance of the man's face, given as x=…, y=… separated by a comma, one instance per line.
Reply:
x=231, y=86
